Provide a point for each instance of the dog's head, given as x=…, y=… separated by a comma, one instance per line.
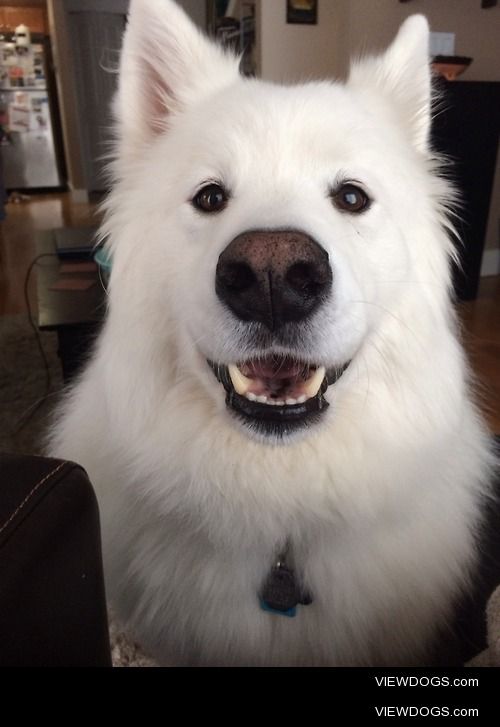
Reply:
x=278, y=225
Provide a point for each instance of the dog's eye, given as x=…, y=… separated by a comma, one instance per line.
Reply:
x=350, y=198
x=211, y=198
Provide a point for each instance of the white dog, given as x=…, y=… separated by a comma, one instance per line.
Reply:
x=276, y=417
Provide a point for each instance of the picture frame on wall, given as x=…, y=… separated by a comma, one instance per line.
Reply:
x=302, y=11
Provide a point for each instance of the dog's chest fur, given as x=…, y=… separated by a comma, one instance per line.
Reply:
x=368, y=542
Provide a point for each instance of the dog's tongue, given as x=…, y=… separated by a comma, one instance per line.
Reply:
x=271, y=368
x=279, y=380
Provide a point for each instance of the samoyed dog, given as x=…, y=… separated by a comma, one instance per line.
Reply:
x=276, y=416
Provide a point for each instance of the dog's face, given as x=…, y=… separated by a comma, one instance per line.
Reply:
x=274, y=216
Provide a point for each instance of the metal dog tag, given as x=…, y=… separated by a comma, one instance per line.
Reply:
x=280, y=592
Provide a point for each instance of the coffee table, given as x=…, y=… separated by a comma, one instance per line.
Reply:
x=76, y=315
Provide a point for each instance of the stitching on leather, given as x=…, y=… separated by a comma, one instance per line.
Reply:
x=31, y=493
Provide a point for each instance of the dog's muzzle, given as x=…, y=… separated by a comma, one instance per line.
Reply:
x=276, y=279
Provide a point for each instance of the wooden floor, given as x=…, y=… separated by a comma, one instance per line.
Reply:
x=481, y=318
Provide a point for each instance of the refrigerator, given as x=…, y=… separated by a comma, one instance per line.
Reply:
x=28, y=147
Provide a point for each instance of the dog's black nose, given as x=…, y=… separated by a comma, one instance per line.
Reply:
x=273, y=276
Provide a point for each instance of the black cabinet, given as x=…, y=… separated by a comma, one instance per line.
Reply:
x=466, y=129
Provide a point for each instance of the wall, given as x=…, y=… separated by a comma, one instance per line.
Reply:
x=63, y=68
x=371, y=24
x=350, y=27
x=347, y=28
x=291, y=53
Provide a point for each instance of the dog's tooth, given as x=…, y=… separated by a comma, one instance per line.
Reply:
x=279, y=402
x=251, y=396
x=262, y=399
x=240, y=382
x=289, y=402
x=301, y=399
x=313, y=384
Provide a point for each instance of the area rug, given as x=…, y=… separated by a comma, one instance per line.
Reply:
x=27, y=395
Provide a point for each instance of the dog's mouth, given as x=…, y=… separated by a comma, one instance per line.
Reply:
x=276, y=394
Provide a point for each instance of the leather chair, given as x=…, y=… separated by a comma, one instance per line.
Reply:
x=52, y=600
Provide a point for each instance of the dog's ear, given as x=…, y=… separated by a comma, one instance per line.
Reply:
x=402, y=75
x=166, y=64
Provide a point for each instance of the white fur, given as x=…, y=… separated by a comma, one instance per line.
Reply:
x=382, y=500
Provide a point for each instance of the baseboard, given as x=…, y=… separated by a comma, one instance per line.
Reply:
x=79, y=196
x=491, y=262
